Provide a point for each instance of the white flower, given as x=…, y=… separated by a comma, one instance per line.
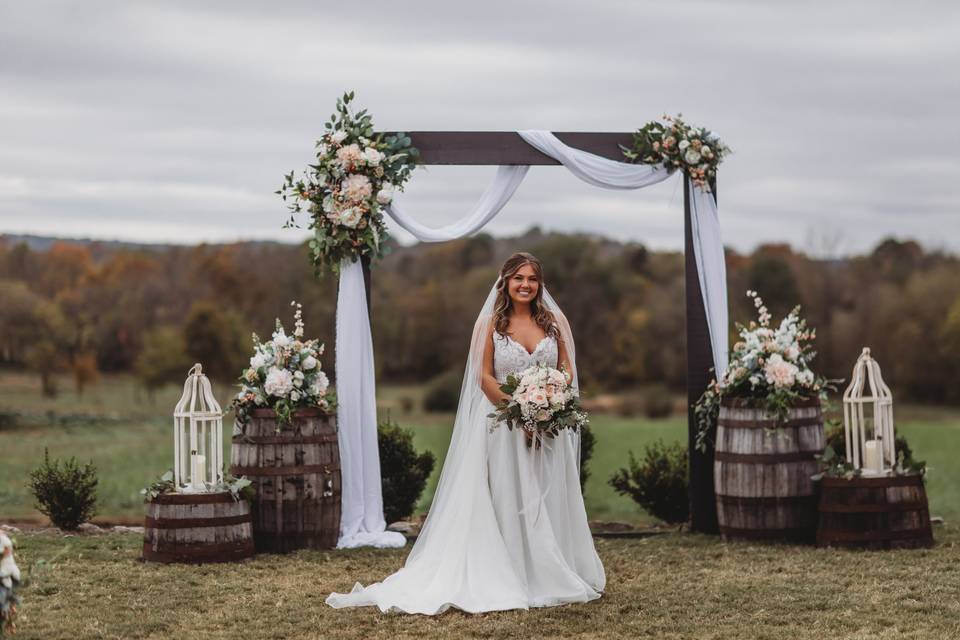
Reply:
x=309, y=363
x=683, y=144
x=280, y=339
x=357, y=187
x=779, y=372
x=385, y=195
x=250, y=375
x=279, y=382
x=792, y=352
x=372, y=157
x=259, y=359
x=8, y=566
x=329, y=204
x=805, y=377
x=542, y=415
x=338, y=136
x=351, y=217
x=319, y=386
x=692, y=156
x=294, y=395
x=539, y=397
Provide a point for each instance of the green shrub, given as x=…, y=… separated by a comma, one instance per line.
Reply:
x=587, y=440
x=659, y=483
x=443, y=392
x=68, y=495
x=658, y=403
x=403, y=471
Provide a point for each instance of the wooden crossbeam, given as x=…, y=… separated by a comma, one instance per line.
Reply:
x=507, y=147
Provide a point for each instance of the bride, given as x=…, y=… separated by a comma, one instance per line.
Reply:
x=507, y=528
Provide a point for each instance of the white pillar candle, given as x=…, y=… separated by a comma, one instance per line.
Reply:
x=871, y=456
x=198, y=471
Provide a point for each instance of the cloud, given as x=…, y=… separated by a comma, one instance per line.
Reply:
x=176, y=120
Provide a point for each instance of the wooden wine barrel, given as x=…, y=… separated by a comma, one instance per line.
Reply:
x=197, y=528
x=876, y=513
x=762, y=474
x=296, y=476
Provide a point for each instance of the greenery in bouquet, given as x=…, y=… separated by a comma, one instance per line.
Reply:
x=284, y=375
x=355, y=175
x=677, y=145
x=541, y=402
x=768, y=366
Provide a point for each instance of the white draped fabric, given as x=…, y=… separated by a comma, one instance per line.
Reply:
x=361, y=511
x=362, y=514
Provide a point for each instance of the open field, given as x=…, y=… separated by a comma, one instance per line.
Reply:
x=128, y=437
x=666, y=586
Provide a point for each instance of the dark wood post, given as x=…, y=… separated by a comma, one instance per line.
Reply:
x=703, y=508
x=365, y=263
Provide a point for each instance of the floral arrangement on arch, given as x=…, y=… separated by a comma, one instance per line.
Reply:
x=678, y=145
x=284, y=375
x=769, y=365
x=355, y=175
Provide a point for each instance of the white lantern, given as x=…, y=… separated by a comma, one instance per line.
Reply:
x=197, y=436
x=868, y=419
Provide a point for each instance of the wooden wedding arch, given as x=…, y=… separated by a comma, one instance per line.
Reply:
x=508, y=148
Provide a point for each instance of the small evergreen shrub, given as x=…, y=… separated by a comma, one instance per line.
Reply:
x=67, y=495
x=403, y=471
x=443, y=392
x=658, y=403
x=659, y=482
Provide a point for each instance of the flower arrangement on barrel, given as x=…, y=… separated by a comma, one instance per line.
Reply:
x=769, y=368
x=284, y=375
x=355, y=175
x=542, y=403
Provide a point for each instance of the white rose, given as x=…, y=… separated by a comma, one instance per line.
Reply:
x=372, y=157
x=294, y=395
x=683, y=144
x=309, y=363
x=357, y=187
x=385, y=195
x=351, y=217
x=542, y=415
x=692, y=156
x=279, y=382
x=538, y=397
x=321, y=384
x=339, y=136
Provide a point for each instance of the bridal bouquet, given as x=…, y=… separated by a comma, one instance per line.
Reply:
x=354, y=176
x=284, y=375
x=769, y=365
x=678, y=145
x=541, y=402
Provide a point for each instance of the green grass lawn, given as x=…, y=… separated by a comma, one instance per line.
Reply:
x=128, y=437
x=666, y=586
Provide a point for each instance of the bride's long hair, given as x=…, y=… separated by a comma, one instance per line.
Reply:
x=504, y=305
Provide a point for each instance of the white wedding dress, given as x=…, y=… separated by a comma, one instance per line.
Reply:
x=507, y=528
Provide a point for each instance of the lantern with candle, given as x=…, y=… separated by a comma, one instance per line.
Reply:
x=197, y=436
x=868, y=419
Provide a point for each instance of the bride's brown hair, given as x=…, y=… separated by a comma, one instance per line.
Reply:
x=504, y=305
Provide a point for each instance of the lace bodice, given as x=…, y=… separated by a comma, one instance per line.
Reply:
x=509, y=356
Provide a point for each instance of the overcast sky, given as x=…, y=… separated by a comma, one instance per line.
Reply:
x=175, y=121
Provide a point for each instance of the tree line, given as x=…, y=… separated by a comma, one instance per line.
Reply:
x=81, y=308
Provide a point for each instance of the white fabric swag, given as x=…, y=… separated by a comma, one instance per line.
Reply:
x=362, y=522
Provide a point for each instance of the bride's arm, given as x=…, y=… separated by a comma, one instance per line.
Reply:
x=563, y=357
x=488, y=381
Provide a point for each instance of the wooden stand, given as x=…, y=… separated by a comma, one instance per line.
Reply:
x=296, y=476
x=762, y=472
x=874, y=513
x=196, y=528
